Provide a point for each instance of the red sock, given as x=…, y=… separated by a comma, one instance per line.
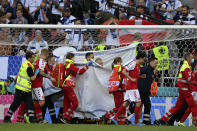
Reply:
x=38, y=111
x=119, y=112
x=186, y=114
x=137, y=109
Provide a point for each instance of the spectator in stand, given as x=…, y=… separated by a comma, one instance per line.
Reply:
x=86, y=19
x=42, y=15
x=186, y=18
x=77, y=9
x=140, y=10
x=12, y=3
x=105, y=6
x=87, y=42
x=170, y=8
x=20, y=18
x=4, y=32
x=20, y=35
x=38, y=43
x=32, y=6
x=6, y=8
x=122, y=16
x=66, y=19
x=157, y=7
x=75, y=38
x=3, y=18
x=122, y=2
x=20, y=6
x=57, y=7
x=148, y=5
x=112, y=38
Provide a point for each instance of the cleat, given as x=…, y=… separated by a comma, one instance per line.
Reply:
x=63, y=120
x=43, y=121
x=147, y=122
x=7, y=119
x=181, y=124
x=128, y=122
x=26, y=119
x=160, y=122
x=33, y=119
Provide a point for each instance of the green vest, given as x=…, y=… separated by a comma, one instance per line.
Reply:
x=119, y=70
x=136, y=46
x=99, y=47
x=85, y=61
x=3, y=90
x=68, y=66
x=161, y=52
x=23, y=80
x=183, y=67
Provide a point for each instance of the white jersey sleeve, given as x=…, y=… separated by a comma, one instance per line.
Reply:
x=42, y=64
x=131, y=66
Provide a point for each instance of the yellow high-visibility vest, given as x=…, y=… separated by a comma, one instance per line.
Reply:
x=85, y=61
x=23, y=80
x=69, y=79
x=183, y=67
x=99, y=47
x=2, y=91
x=136, y=42
x=161, y=52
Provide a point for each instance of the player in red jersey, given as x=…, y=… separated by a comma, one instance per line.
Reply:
x=37, y=93
x=132, y=72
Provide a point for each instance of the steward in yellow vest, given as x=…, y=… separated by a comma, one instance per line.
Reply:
x=100, y=48
x=88, y=57
x=161, y=53
x=23, y=88
x=4, y=85
x=2, y=88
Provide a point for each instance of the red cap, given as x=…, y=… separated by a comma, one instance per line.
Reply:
x=196, y=66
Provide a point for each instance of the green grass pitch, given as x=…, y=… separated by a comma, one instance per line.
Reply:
x=86, y=127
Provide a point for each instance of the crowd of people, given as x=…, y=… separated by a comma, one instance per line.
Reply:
x=80, y=12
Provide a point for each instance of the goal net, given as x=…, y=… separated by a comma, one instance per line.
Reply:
x=167, y=43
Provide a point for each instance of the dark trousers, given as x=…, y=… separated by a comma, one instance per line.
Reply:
x=19, y=97
x=50, y=105
x=145, y=99
x=22, y=96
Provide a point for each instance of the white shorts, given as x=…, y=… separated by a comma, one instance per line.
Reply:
x=132, y=96
x=194, y=94
x=37, y=94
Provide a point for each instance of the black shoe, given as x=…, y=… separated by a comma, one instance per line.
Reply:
x=105, y=119
x=43, y=121
x=63, y=120
x=160, y=122
x=7, y=119
x=128, y=122
x=147, y=122
x=33, y=120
